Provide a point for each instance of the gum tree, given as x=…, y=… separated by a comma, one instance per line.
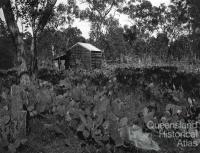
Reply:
x=35, y=13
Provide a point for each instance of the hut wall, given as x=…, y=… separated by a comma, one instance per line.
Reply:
x=80, y=57
x=96, y=59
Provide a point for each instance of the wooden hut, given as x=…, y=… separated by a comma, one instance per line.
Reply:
x=82, y=55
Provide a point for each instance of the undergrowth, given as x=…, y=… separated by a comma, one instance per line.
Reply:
x=105, y=109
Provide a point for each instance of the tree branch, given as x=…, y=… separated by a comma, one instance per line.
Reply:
x=46, y=15
x=9, y=17
x=109, y=9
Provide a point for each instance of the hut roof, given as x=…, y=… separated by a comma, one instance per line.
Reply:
x=87, y=46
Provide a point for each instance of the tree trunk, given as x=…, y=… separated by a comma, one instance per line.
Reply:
x=34, y=66
x=18, y=116
x=20, y=61
x=37, y=30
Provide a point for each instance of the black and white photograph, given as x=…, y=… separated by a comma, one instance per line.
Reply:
x=99, y=76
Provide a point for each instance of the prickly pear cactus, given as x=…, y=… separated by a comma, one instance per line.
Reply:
x=12, y=119
x=18, y=116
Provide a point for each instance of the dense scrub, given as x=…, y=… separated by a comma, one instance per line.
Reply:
x=102, y=110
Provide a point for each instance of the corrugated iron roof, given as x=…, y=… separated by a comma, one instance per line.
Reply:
x=87, y=46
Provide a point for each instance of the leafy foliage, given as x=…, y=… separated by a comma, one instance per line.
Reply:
x=98, y=12
x=64, y=14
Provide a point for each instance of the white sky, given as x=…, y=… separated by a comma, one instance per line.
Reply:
x=84, y=26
